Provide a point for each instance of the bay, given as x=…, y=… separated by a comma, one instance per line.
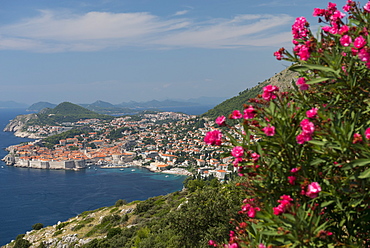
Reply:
x=29, y=196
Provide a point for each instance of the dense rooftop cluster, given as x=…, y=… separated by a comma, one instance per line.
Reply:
x=159, y=140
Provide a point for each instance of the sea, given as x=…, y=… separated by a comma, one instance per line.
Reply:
x=30, y=196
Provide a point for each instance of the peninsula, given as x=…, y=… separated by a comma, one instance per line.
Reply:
x=165, y=142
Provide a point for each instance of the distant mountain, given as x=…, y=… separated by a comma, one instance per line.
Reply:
x=133, y=107
x=12, y=104
x=282, y=79
x=98, y=104
x=36, y=107
x=156, y=104
x=205, y=100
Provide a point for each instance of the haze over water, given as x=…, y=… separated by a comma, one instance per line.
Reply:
x=30, y=196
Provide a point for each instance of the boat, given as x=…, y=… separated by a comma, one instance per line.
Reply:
x=122, y=169
x=133, y=170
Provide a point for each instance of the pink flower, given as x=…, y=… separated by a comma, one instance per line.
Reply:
x=255, y=156
x=279, y=54
x=313, y=190
x=303, y=137
x=304, y=53
x=318, y=12
x=269, y=92
x=249, y=113
x=346, y=40
x=221, y=120
x=364, y=55
x=357, y=138
x=212, y=243
x=312, y=113
x=237, y=152
x=261, y=246
x=292, y=179
x=213, y=138
x=294, y=170
x=301, y=83
x=285, y=202
x=237, y=161
x=278, y=210
x=299, y=29
x=344, y=29
x=236, y=114
x=250, y=208
x=269, y=130
x=359, y=42
x=367, y=133
x=233, y=245
x=326, y=28
x=367, y=7
x=336, y=16
x=307, y=126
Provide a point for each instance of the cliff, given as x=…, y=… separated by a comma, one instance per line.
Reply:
x=17, y=124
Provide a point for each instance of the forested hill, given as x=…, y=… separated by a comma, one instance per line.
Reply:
x=282, y=79
x=66, y=112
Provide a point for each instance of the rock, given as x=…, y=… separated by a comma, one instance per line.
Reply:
x=127, y=211
x=18, y=122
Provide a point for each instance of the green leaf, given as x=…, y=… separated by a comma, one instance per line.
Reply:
x=317, y=142
x=327, y=203
x=306, y=67
x=317, y=80
x=317, y=161
x=357, y=162
x=365, y=174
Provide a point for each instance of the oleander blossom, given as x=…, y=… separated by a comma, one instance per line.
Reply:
x=236, y=114
x=212, y=243
x=307, y=126
x=249, y=113
x=285, y=203
x=269, y=130
x=367, y=133
x=237, y=152
x=308, y=129
x=357, y=138
x=269, y=92
x=249, y=208
x=291, y=180
x=301, y=83
x=299, y=28
x=312, y=113
x=346, y=40
x=213, y=138
x=313, y=190
x=221, y=120
x=255, y=156
x=367, y=7
x=359, y=42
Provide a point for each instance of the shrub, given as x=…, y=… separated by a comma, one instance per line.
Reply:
x=304, y=154
x=21, y=243
x=37, y=226
x=120, y=202
x=62, y=225
x=78, y=227
x=113, y=231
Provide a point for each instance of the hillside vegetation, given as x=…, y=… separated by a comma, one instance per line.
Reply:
x=187, y=218
x=66, y=112
x=282, y=79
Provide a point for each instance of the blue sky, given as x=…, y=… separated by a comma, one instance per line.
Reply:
x=122, y=50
